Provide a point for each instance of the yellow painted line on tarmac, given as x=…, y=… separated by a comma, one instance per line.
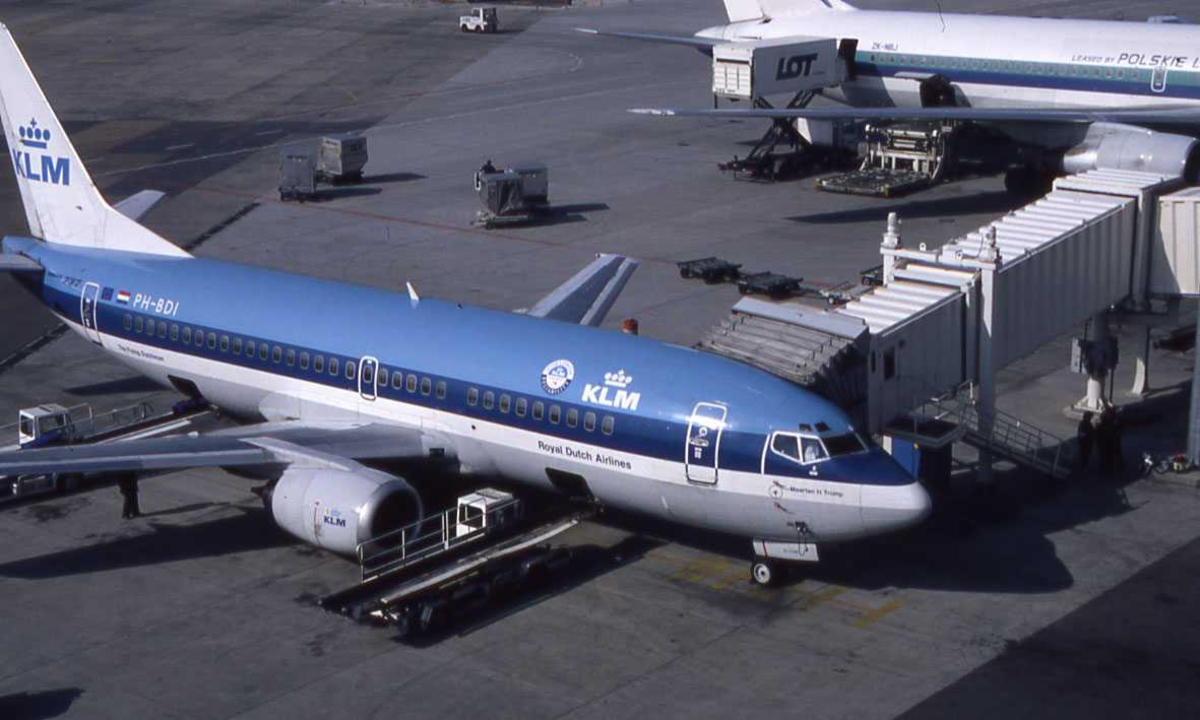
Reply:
x=872, y=617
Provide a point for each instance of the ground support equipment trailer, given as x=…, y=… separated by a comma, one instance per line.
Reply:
x=420, y=577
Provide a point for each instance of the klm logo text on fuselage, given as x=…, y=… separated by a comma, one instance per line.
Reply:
x=32, y=161
x=790, y=68
x=613, y=392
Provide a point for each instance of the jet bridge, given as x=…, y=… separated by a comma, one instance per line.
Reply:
x=954, y=316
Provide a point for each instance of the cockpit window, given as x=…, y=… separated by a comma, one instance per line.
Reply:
x=812, y=449
x=822, y=427
x=786, y=445
x=844, y=445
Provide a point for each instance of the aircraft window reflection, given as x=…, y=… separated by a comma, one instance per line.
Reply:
x=505, y=403
x=522, y=404
x=411, y=385
x=441, y=389
x=319, y=363
x=539, y=410
x=589, y=421
x=607, y=425
x=786, y=445
x=489, y=399
x=426, y=386
x=473, y=397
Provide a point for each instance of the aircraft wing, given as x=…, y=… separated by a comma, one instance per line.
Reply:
x=18, y=263
x=137, y=205
x=587, y=297
x=689, y=40
x=1143, y=115
x=261, y=445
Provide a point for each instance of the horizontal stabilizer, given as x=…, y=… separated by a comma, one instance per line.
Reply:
x=137, y=205
x=690, y=40
x=587, y=297
x=18, y=263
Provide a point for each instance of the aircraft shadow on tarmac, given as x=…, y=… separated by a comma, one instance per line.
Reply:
x=251, y=529
x=38, y=705
x=392, y=178
x=563, y=214
x=132, y=384
x=587, y=563
x=948, y=207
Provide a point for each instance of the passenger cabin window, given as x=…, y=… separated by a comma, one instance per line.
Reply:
x=350, y=370
x=522, y=404
x=127, y=322
x=411, y=384
x=291, y=357
x=589, y=421
x=383, y=377
x=212, y=341
x=162, y=330
x=555, y=414
x=572, y=418
x=139, y=324
x=276, y=354
x=237, y=346
x=473, y=397
x=263, y=350
x=333, y=366
x=368, y=377
x=319, y=363
x=174, y=332
x=539, y=410
x=149, y=326
x=489, y=399
x=505, y=404
x=187, y=335
x=426, y=386
x=224, y=343
x=303, y=361
x=607, y=425
x=397, y=379
x=441, y=390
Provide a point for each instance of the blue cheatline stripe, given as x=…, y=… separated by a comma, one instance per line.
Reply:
x=658, y=438
x=1048, y=76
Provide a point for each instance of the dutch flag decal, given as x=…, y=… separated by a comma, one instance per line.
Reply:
x=123, y=297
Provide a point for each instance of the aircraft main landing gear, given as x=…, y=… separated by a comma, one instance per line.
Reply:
x=764, y=573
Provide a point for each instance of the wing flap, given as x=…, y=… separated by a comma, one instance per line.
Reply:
x=588, y=296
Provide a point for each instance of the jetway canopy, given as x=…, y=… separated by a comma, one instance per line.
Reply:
x=962, y=312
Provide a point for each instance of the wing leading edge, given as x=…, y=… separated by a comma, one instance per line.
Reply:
x=689, y=40
x=1144, y=115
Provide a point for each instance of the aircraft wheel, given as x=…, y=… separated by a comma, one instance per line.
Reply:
x=763, y=574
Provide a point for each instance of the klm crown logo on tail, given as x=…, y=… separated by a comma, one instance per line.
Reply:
x=39, y=166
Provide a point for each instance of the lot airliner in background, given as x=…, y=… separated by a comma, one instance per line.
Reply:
x=336, y=382
x=1076, y=94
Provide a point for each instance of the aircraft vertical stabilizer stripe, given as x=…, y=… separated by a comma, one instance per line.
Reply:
x=61, y=202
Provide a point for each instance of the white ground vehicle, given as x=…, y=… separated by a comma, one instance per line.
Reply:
x=481, y=20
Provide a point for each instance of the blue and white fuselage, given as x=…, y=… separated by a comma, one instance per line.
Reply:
x=650, y=427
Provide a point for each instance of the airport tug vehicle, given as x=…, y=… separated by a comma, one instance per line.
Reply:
x=481, y=20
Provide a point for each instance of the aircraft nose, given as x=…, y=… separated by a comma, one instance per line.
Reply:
x=886, y=508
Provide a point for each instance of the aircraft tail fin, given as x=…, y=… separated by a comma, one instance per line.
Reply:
x=61, y=202
x=739, y=10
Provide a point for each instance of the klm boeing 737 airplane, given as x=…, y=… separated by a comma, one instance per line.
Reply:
x=336, y=381
x=1080, y=94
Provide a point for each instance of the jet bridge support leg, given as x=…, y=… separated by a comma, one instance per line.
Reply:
x=1141, y=375
x=1099, y=363
x=1193, y=445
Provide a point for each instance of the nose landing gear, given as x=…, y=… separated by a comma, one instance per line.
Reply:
x=764, y=573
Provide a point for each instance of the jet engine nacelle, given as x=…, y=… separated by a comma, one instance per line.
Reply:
x=337, y=509
x=1125, y=147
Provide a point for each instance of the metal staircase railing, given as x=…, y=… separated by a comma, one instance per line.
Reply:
x=1009, y=437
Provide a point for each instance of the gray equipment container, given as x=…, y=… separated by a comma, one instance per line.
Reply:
x=501, y=193
x=342, y=157
x=297, y=173
x=535, y=182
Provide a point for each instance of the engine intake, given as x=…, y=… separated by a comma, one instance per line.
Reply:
x=1125, y=147
x=337, y=509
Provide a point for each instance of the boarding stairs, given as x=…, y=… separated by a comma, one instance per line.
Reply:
x=955, y=416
